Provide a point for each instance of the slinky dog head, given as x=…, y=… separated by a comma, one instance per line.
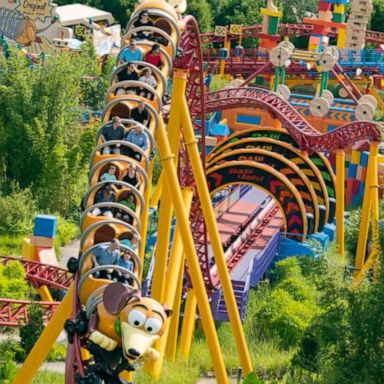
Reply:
x=140, y=320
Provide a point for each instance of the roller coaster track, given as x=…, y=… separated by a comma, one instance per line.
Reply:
x=42, y=274
x=306, y=136
x=15, y=312
x=248, y=234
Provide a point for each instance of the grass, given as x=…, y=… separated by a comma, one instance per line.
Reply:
x=44, y=377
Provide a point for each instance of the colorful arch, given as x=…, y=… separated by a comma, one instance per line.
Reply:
x=285, y=167
x=302, y=161
x=317, y=158
x=272, y=182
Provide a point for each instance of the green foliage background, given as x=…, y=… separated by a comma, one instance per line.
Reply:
x=44, y=150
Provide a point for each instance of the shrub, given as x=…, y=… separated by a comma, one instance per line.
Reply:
x=30, y=332
x=284, y=269
x=283, y=318
x=8, y=351
x=352, y=232
x=66, y=231
x=12, y=281
x=11, y=245
x=17, y=212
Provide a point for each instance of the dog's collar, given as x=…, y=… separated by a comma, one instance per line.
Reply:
x=118, y=327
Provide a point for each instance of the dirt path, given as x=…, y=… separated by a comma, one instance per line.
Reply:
x=70, y=250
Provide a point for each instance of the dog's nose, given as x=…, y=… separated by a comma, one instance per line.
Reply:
x=133, y=352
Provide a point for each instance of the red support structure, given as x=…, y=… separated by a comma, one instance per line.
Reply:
x=42, y=274
x=15, y=312
x=306, y=136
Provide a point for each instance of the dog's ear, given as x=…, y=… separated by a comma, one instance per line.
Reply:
x=168, y=311
x=115, y=297
x=134, y=296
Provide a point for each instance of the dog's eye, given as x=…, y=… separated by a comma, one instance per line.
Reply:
x=136, y=318
x=153, y=325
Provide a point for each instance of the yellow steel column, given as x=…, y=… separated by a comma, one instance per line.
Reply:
x=375, y=202
x=188, y=327
x=44, y=293
x=210, y=219
x=174, y=189
x=46, y=340
x=227, y=45
x=340, y=201
x=144, y=218
x=170, y=350
x=162, y=246
x=366, y=208
x=175, y=264
x=369, y=261
x=165, y=211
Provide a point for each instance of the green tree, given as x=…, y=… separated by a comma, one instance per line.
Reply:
x=377, y=20
x=245, y=12
x=201, y=9
x=44, y=149
x=295, y=10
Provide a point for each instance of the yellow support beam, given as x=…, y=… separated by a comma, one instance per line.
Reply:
x=44, y=293
x=46, y=340
x=188, y=326
x=210, y=220
x=366, y=208
x=173, y=273
x=167, y=158
x=165, y=211
x=340, y=201
x=170, y=350
x=145, y=218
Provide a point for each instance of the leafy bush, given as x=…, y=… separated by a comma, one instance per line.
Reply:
x=11, y=245
x=17, y=211
x=66, y=231
x=284, y=269
x=30, y=332
x=12, y=281
x=8, y=367
x=283, y=318
x=352, y=232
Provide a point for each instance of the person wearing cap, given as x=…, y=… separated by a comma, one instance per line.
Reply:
x=143, y=21
x=131, y=53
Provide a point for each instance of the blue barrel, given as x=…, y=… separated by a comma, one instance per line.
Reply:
x=238, y=51
x=223, y=53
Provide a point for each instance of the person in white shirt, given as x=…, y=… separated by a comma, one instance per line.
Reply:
x=149, y=79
